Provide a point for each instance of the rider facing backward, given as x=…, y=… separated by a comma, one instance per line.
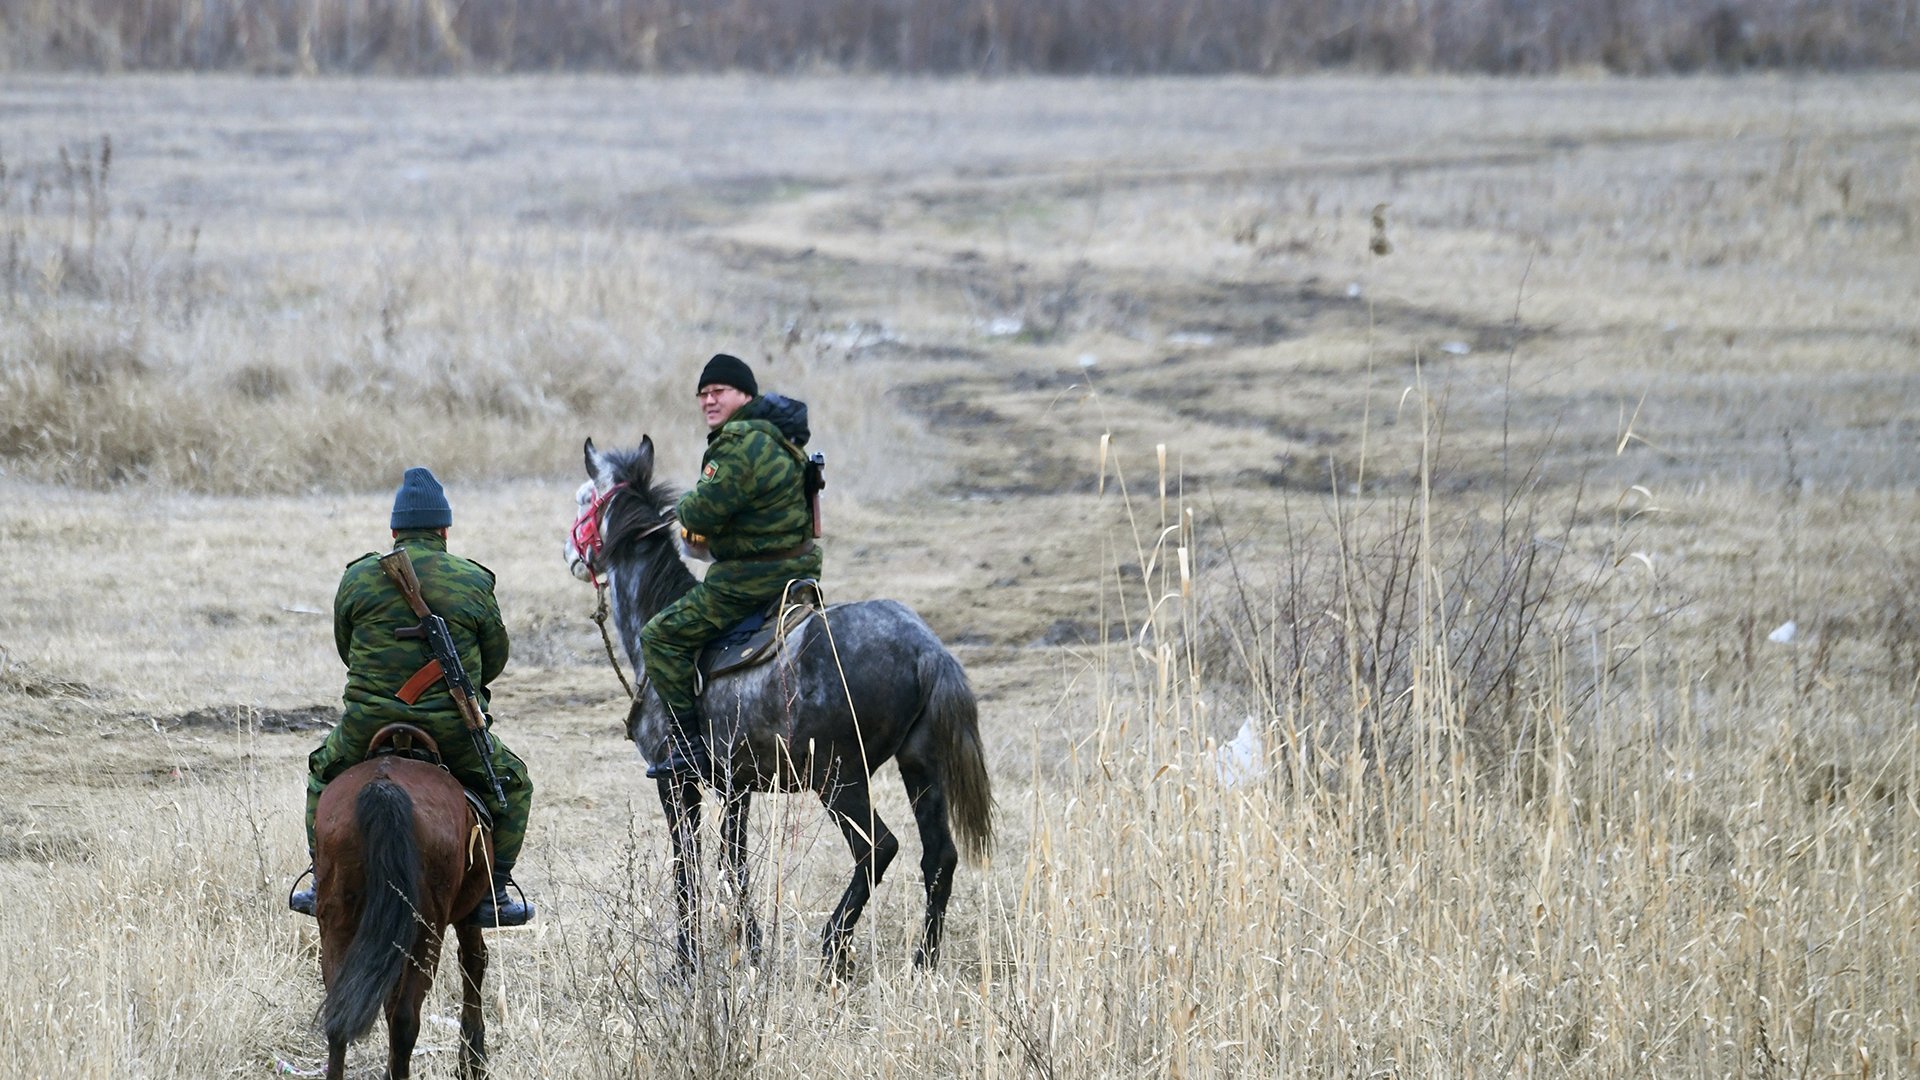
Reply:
x=389, y=679
x=749, y=512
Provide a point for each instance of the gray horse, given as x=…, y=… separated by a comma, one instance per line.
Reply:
x=868, y=683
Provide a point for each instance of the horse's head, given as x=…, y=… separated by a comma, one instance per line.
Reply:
x=618, y=502
x=608, y=468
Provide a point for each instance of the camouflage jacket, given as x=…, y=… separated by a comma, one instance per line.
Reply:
x=751, y=499
x=368, y=608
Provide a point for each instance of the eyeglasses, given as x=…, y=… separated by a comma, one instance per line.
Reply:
x=710, y=392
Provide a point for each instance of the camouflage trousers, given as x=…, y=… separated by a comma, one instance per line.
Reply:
x=346, y=747
x=671, y=641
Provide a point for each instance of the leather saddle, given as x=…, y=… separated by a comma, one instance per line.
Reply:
x=408, y=741
x=756, y=639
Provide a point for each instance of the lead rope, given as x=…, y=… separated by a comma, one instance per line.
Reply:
x=784, y=664
x=600, y=617
x=600, y=609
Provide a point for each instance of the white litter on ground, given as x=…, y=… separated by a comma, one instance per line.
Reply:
x=1242, y=759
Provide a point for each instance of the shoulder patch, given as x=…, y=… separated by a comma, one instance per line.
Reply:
x=709, y=472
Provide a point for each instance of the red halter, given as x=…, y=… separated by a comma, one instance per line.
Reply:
x=587, y=539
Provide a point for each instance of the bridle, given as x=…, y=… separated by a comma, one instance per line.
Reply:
x=590, y=543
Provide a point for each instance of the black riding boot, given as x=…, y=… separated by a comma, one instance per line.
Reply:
x=686, y=749
x=303, y=900
x=501, y=909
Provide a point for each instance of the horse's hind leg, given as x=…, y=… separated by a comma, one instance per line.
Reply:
x=733, y=835
x=473, y=1020
x=681, y=799
x=873, y=846
x=336, y=935
x=403, y=1009
x=938, y=856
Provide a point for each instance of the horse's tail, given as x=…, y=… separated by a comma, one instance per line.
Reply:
x=949, y=706
x=389, y=923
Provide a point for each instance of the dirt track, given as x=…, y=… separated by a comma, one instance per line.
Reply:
x=1688, y=304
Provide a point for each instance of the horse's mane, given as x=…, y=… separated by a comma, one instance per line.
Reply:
x=639, y=507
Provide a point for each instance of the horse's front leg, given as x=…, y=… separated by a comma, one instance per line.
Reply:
x=680, y=796
x=473, y=1019
x=873, y=846
x=733, y=834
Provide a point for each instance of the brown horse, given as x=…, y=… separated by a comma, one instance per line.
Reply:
x=398, y=855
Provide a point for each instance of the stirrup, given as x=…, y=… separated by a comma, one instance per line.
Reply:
x=491, y=912
x=302, y=900
x=683, y=756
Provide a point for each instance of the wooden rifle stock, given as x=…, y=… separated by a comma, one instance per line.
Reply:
x=399, y=566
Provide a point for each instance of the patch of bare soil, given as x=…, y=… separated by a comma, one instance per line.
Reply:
x=1204, y=344
x=244, y=717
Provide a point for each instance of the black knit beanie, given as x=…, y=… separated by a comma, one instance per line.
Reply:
x=729, y=371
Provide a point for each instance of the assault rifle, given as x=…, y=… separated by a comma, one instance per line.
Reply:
x=433, y=630
x=815, y=480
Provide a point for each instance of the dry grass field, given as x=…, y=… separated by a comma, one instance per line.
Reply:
x=1370, y=512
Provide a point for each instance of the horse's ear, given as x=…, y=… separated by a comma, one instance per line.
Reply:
x=645, y=454
x=596, y=463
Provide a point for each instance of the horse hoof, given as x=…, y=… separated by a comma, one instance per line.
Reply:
x=837, y=965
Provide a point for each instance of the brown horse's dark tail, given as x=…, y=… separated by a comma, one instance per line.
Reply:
x=389, y=923
x=955, y=717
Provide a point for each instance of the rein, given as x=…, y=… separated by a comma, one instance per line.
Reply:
x=600, y=617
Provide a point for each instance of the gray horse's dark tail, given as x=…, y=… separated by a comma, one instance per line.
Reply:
x=383, y=944
x=948, y=705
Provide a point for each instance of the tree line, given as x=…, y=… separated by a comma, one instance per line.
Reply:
x=1119, y=37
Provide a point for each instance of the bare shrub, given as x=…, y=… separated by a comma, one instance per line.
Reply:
x=19, y=677
x=261, y=381
x=1897, y=622
x=66, y=237
x=84, y=354
x=1407, y=627
x=711, y=1020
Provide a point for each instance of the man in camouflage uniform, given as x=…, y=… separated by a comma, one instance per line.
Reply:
x=386, y=684
x=751, y=512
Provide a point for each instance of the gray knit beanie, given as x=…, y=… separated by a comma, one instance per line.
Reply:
x=420, y=503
